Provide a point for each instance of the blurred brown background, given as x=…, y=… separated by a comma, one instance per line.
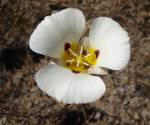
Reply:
x=127, y=100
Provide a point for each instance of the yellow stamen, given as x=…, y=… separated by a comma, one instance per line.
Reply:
x=79, y=62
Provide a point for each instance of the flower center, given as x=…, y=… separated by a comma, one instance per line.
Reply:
x=79, y=61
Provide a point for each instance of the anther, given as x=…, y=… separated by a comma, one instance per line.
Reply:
x=88, y=55
x=78, y=63
x=86, y=64
x=70, y=61
x=81, y=50
x=73, y=53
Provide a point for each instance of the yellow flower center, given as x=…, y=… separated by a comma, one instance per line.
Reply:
x=79, y=61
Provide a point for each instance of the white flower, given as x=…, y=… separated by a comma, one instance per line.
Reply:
x=59, y=36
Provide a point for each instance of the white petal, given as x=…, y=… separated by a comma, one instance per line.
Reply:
x=112, y=41
x=55, y=30
x=69, y=87
x=97, y=71
x=85, y=42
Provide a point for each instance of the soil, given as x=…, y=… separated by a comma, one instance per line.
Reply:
x=127, y=100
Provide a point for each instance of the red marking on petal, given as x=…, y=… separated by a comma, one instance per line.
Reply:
x=84, y=52
x=97, y=53
x=75, y=71
x=66, y=46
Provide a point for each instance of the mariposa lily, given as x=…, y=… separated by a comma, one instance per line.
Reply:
x=76, y=55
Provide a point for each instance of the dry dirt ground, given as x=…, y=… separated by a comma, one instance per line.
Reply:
x=127, y=100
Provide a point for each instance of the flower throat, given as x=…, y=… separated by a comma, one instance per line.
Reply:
x=79, y=59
